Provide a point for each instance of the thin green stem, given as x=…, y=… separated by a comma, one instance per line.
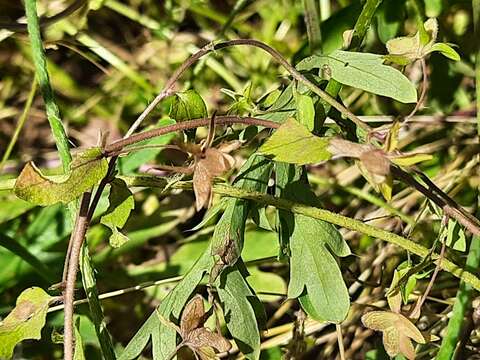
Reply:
x=321, y=214
x=21, y=122
x=39, y=60
x=363, y=23
x=313, y=21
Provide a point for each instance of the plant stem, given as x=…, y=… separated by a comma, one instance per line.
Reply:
x=312, y=21
x=21, y=121
x=76, y=240
x=363, y=23
x=185, y=125
x=39, y=60
x=168, y=89
x=317, y=213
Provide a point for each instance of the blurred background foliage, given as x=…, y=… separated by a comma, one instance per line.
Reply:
x=106, y=63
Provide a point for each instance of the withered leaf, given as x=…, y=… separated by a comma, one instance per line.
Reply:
x=397, y=331
x=202, y=337
x=209, y=164
x=197, y=337
x=87, y=169
x=193, y=315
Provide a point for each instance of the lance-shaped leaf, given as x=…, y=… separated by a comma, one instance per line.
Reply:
x=86, y=170
x=397, y=331
x=305, y=110
x=227, y=242
x=293, y=143
x=242, y=310
x=121, y=204
x=363, y=71
x=25, y=321
x=164, y=339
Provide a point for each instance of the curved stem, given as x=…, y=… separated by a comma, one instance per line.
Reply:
x=185, y=125
x=247, y=42
x=423, y=93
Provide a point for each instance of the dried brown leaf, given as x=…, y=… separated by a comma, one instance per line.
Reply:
x=202, y=337
x=193, y=315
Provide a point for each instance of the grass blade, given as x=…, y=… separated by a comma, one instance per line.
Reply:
x=40, y=62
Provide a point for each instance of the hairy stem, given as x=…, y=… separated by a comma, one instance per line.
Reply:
x=185, y=125
x=40, y=62
x=76, y=241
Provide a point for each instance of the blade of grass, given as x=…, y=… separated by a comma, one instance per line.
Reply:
x=39, y=60
x=463, y=304
x=18, y=249
x=312, y=21
x=21, y=121
x=90, y=285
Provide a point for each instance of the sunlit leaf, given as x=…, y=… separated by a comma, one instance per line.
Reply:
x=25, y=321
x=86, y=171
x=314, y=269
x=409, y=159
x=446, y=50
x=293, y=143
x=305, y=111
x=364, y=71
x=188, y=105
x=121, y=204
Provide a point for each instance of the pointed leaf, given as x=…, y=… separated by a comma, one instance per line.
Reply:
x=121, y=204
x=188, y=105
x=445, y=50
x=228, y=237
x=313, y=268
x=294, y=144
x=239, y=306
x=364, y=71
x=305, y=111
x=86, y=171
x=25, y=321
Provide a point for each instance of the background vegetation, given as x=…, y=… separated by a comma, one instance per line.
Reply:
x=109, y=59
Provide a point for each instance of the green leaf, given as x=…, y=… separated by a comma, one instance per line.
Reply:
x=86, y=170
x=410, y=159
x=78, y=354
x=363, y=71
x=228, y=237
x=416, y=46
x=121, y=204
x=96, y=312
x=266, y=282
x=305, y=111
x=314, y=273
x=25, y=321
x=293, y=143
x=188, y=105
x=455, y=236
x=164, y=338
x=314, y=269
x=241, y=309
x=446, y=50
